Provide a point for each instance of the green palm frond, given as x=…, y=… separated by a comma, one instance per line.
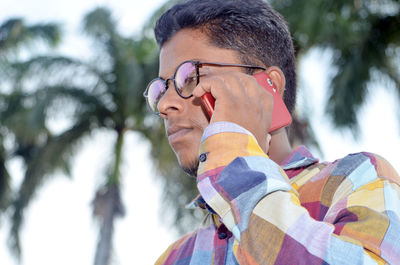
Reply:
x=85, y=101
x=14, y=33
x=349, y=88
x=43, y=63
x=49, y=69
x=360, y=34
x=101, y=27
x=5, y=180
x=100, y=24
x=147, y=31
x=129, y=96
x=19, y=118
x=25, y=115
x=354, y=64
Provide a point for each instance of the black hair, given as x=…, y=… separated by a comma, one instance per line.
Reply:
x=251, y=27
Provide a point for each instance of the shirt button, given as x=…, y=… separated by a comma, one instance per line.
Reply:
x=203, y=157
x=222, y=235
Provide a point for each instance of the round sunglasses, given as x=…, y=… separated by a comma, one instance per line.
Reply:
x=186, y=77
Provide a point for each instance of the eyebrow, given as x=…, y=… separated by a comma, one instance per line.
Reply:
x=193, y=60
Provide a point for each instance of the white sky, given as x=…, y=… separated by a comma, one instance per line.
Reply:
x=59, y=228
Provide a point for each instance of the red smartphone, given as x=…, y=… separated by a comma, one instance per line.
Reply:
x=280, y=114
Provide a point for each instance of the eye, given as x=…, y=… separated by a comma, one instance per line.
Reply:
x=189, y=80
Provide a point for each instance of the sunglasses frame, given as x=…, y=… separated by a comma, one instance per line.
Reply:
x=197, y=65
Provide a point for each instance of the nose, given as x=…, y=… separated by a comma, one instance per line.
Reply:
x=170, y=102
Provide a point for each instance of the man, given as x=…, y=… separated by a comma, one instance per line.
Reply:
x=266, y=203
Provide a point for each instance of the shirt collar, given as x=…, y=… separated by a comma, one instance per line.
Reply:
x=301, y=157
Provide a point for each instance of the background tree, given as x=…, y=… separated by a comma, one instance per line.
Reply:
x=16, y=35
x=103, y=94
x=364, y=38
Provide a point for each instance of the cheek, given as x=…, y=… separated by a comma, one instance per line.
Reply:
x=187, y=151
x=199, y=115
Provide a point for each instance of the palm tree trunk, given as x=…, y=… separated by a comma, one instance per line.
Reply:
x=103, y=251
x=108, y=206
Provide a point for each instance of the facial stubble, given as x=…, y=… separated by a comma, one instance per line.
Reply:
x=191, y=168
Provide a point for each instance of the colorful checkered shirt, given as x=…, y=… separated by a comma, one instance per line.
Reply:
x=299, y=212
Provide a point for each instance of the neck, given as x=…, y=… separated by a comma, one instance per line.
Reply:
x=279, y=147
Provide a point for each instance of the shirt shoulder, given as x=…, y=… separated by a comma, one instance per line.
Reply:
x=320, y=184
x=365, y=166
x=176, y=251
x=383, y=168
x=353, y=166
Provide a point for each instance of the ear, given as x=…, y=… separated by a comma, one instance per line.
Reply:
x=277, y=78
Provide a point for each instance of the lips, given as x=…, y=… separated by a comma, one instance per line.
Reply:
x=176, y=133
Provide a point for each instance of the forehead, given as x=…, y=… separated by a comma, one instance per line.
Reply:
x=190, y=44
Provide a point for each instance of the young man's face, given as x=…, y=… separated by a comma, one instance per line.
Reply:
x=185, y=119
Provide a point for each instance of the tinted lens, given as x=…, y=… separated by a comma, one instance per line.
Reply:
x=186, y=79
x=155, y=91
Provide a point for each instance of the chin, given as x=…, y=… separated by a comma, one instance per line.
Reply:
x=189, y=164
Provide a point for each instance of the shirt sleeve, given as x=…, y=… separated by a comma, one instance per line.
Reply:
x=252, y=196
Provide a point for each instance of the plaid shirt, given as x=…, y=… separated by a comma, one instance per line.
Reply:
x=301, y=212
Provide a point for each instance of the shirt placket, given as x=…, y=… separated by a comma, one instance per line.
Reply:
x=221, y=237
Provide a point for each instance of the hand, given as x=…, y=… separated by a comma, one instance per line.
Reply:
x=241, y=100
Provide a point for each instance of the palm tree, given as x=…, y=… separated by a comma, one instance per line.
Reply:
x=103, y=94
x=363, y=37
x=15, y=35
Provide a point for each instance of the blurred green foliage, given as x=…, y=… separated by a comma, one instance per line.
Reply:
x=364, y=38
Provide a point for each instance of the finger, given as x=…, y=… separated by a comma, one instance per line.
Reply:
x=221, y=85
x=208, y=85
